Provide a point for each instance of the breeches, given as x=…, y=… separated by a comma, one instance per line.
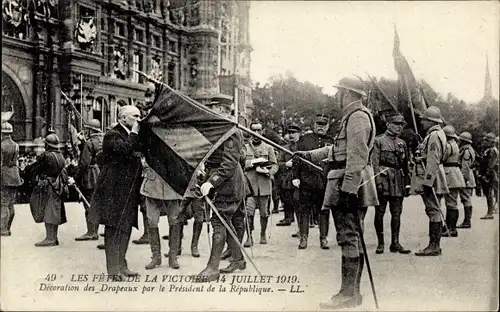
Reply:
x=154, y=208
x=8, y=199
x=490, y=191
x=310, y=201
x=451, y=199
x=348, y=230
x=395, y=205
x=233, y=215
x=432, y=205
x=258, y=202
x=465, y=195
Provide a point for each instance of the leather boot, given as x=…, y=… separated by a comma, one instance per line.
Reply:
x=174, y=246
x=91, y=234
x=360, y=272
x=211, y=272
x=380, y=245
x=197, y=227
x=233, y=266
x=395, y=245
x=343, y=285
x=445, y=231
x=263, y=227
x=433, y=249
x=249, y=242
x=303, y=242
x=145, y=237
x=452, y=225
x=466, y=224
x=154, y=237
x=323, y=229
x=489, y=214
x=304, y=232
x=50, y=239
x=350, y=298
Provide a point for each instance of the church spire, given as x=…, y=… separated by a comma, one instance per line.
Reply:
x=487, y=82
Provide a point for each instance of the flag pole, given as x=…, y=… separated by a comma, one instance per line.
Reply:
x=383, y=93
x=241, y=127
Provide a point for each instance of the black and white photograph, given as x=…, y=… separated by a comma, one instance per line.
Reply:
x=250, y=155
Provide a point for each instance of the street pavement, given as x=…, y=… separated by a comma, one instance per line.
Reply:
x=464, y=278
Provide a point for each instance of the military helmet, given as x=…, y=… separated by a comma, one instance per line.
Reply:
x=94, y=124
x=466, y=136
x=52, y=140
x=352, y=85
x=450, y=132
x=490, y=137
x=7, y=127
x=432, y=113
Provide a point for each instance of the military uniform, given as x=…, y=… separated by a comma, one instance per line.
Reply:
x=11, y=179
x=287, y=191
x=350, y=188
x=312, y=188
x=467, y=158
x=488, y=171
x=87, y=174
x=430, y=180
x=454, y=180
x=260, y=184
x=390, y=164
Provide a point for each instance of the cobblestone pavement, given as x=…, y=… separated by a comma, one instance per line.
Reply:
x=464, y=278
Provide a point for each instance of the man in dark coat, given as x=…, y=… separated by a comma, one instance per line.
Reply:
x=227, y=182
x=116, y=196
x=11, y=179
x=87, y=173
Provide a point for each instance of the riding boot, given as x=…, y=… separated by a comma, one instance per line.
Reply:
x=343, y=285
x=211, y=272
x=381, y=244
x=145, y=237
x=50, y=237
x=323, y=229
x=433, y=249
x=351, y=296
x=445, y=231
x=197, y=227
x=466, y=224
x=304, y=232
x=174, y=245
x=263, y=227
x=452, y=225
x=395, y=245
x=237, y=261
x=249, y=242
x=154, y=238
x=379, y=229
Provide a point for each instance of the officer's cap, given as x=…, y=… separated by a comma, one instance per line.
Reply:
x=293, y=128
x=322, y=119
x=221, y=101
x=350, y=84
x=396, y=119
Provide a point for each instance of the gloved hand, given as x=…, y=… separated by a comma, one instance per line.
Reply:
x=262, y=170
x=407, y=190
x=296, y=182
x=289, y=163
x=301, y=154
x=71, y=181
x=205, y=188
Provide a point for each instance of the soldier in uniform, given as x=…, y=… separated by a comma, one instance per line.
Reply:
x=48, y=193
x=284, y=177
x=87, y=173
x=429, y=180
x=116, y=196
x=350, y=186
x=226, y=182
x=259, y=177
x=312, y=183
x=488, y=171
x=454, y=180
x=162, y=200
x=467, y=158
x=11, y=178
x=390, y=164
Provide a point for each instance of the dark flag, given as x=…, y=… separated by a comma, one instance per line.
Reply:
x=408, y=86
x=178, y=135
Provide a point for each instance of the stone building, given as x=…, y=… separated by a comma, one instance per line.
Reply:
x=88, y=50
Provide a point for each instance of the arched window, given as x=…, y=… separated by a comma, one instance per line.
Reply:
x=101, y=112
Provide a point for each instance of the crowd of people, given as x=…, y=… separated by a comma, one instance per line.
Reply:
x=248, y=175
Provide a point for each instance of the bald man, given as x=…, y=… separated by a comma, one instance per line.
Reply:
x=116, y=196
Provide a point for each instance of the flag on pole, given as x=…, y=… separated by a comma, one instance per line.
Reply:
x=180, y=134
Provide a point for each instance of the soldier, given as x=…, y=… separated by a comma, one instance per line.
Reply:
x=87, y=173
x=390, y=164
x=467, y=158
x=47, y=196
x=488, y=171
x=312, y=183
x=161, y=200
x=284, y=177
x=227, y=184
x=11, y=178
x=454, y=180
x=260, y=167
x=350, y=186
x=429, y=180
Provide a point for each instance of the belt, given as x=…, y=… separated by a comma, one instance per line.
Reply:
x=334, y=165
x=452, y=165
x=394, y=166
